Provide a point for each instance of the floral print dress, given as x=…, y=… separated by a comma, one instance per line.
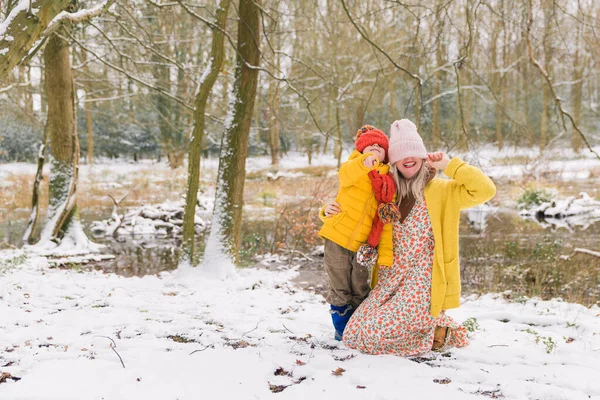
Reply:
x=395, y=318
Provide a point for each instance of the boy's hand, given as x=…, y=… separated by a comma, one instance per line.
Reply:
x=371, y=161
x=331, y=208
x=438, y=160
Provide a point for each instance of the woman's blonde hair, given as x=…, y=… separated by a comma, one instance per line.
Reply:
x=414, y=185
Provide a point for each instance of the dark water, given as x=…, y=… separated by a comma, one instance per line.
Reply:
x=498, y=228
x=487, y=242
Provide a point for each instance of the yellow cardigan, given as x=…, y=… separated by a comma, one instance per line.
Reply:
x=350, y=228
x=445, y=198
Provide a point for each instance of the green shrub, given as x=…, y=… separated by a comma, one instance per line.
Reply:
x=266, y=196
x=11, y=263
x=547, y=341
x=471, y=324
x=533, y=197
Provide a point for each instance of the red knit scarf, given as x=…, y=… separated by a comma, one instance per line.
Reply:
x=384, y=189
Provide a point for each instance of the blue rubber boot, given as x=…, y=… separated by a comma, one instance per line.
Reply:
x=340, y=315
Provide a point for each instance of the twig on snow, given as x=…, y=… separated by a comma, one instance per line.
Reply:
x=196, y=351
x=286, y=328
x=255, y=328
x=113, y=346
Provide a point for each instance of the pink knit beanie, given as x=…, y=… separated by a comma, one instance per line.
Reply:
x=405, y=142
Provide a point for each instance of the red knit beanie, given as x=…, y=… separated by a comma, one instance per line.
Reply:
x=369, y=135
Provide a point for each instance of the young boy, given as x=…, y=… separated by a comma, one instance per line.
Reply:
x=365, y=182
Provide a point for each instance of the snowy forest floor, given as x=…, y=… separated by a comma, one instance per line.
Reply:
x=74, y=334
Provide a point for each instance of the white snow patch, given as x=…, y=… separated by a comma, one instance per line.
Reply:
x=22, y=6
x=581, y=210
x=162, y=219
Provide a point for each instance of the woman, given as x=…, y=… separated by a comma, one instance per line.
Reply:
x=404, y=313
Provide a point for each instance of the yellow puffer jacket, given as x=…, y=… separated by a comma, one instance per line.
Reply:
x=350, y=228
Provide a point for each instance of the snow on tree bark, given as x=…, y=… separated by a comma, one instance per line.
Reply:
x=35, y=198
x=63, y=232
x=207, y=81
x=23, y=27
x=223, y=244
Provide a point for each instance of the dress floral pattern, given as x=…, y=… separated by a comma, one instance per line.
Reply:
x=395, y=318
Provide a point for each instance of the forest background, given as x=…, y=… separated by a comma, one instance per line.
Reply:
x=157, y=80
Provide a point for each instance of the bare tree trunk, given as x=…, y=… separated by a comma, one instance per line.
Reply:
x=275, y=100
x=462, y=122
x=418, y=95
x=503, y=84
x=463, y=79
x=526, y=85
x=392, y=94
x=217, y=57
x=35, y=198
x=308, y=145
x=576, y=141
x=496, y=83
x=223, y=243
x=167, y=112
x=43, y=103
x=90, y=131
x=25, y=91
x=337, y=148
x=436, y=132
x=360, y=114
x=60, y=125
x=179, y=119
x=88, y=111
x=256, y=111
x=63, y=217
x=547, y=42
x=436, y=106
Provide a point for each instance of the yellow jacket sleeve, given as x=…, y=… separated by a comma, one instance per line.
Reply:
x=352, y=170
x=470, y=184
x=322, y=216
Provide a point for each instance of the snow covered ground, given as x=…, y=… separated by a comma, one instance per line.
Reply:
x=185, y=336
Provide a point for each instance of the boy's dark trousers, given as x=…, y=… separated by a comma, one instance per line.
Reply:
x=348, y=283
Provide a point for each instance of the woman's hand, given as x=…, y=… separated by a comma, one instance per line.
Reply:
x=331, y=208
x=438, y=160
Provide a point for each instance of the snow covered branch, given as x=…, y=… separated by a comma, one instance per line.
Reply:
x=9, y=87
x=79, y=16
x=22, y=29
x=586, y=251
